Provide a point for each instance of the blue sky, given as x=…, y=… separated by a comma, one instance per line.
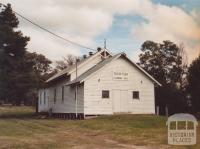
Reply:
x=185, y=4
x=120, y=33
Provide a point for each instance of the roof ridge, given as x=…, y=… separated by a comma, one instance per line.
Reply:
x=66, y=70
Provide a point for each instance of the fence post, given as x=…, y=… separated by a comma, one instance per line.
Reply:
x=157, y=110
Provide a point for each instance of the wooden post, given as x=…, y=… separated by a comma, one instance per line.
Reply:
x=157, y=110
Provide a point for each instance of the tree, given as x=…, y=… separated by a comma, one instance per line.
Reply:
x=14, y=73
x=66, y=62
x=164, y=62
x=194, y=83
x=41, y=68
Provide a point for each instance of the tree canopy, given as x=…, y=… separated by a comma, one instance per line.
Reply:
x=14, y=72
x=164, y=62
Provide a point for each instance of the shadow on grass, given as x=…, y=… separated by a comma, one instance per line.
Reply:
x=20, y=112
x=20, y=116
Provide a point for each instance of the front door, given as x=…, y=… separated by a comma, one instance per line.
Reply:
x=124, y=101
x=120, y=101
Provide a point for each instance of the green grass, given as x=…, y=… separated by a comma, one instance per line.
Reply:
x=21, y=128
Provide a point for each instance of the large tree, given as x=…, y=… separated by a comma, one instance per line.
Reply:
x=14, y=73
x=41, y=68
x=164, y=62
x=194, y=83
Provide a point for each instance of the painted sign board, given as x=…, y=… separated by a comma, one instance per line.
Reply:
x=120, y=75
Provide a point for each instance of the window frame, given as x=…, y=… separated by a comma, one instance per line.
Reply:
x=103, y=94
x=136, y=95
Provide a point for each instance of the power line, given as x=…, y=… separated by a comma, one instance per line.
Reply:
x=52, y=33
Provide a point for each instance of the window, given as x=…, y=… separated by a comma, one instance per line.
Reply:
x=54, y=95
x=40, y=98
x=44, y=97
x=105, y=94
x=135, y=94
x=63, y=88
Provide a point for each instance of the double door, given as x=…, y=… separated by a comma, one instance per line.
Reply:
x=121, y=102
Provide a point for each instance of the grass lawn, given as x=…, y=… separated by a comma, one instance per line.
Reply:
x=21, y=128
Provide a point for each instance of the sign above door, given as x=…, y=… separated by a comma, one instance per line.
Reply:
x=120, y=75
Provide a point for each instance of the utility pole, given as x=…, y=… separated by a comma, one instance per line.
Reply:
x=104, y=49
x=104, y=43
x=76, y=91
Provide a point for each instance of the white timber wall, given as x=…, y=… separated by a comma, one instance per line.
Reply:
x=68, y=105
x=103, y=80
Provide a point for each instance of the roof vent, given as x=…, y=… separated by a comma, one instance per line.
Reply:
x=90, y=53
x=84, y=56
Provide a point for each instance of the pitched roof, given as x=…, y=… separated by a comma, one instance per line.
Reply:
x=70, y=68
x=93, y=69
x=65, y=71
x=83, y=76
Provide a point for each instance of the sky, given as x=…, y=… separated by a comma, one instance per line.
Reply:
x=125, y=24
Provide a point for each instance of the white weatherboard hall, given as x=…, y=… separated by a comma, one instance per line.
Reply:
x=100, y=84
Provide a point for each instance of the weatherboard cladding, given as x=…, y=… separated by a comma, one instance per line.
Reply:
x=94, y=75
x=103, y=80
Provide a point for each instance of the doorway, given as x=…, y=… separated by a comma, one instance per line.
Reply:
x=120, y=101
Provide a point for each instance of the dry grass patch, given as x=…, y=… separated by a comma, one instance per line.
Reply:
x=21, y=128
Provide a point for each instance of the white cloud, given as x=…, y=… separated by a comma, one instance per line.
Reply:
x=169, y=23
x=78, y=23
x=82, y=21
x=196, y=15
